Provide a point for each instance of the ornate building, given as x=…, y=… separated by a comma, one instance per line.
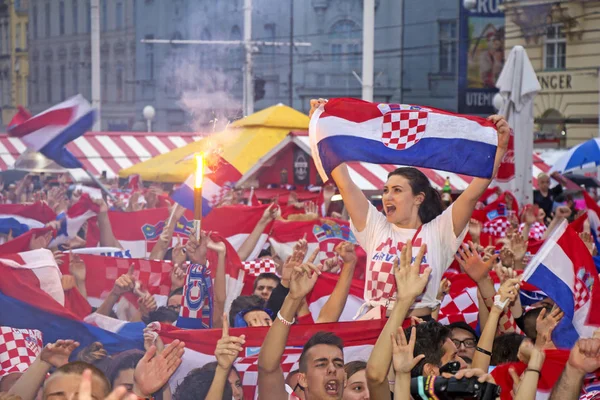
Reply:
x=563, y=44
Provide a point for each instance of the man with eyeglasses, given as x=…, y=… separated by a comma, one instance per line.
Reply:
x=465, y=339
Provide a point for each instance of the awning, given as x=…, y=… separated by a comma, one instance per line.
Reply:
x=371, y=177
x=106, y=151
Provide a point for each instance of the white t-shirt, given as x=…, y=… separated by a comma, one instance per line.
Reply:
x=383, y=242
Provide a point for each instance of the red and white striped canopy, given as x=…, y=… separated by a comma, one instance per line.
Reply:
x=106, y=151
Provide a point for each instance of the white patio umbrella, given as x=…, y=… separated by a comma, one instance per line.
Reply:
x=518, y=86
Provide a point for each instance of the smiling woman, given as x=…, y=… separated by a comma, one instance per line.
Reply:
x=413, y=213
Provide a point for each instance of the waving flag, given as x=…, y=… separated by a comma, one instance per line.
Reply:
x=218, y=182
x=20, y=218
x=358, y=337
x=72, y=221
x=355, y=130
x=50, y=131
x=565, y=271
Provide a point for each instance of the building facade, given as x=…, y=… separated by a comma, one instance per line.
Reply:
x=563, y=44
x=14, y=60
x=60, y=56
x=194, y=86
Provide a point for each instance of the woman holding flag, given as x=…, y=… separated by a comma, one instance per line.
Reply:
x=412, y=211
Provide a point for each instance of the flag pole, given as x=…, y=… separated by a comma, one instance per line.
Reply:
x=198, y=178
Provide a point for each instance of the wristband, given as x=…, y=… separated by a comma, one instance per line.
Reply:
x=534, y=370
x=499, y=303
x=487, y=353
x=285, y=321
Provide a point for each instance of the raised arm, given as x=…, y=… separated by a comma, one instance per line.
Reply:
x=584, y=359
x=164, y=242
x=355, y=201
x=249, y=244
x=410, y=284
x=107, y=237
x=125, y=283
x=465, y=204
x=271, y=384
x=332, y=309
x=220, y=292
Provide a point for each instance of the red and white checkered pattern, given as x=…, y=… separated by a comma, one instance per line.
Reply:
x=593, y=395
x=18, y=349
x=380, y=280
x=403, y=129
x=536, y=232
x=581, y=295
x=248, y=367
x=496, y=227
x=218, y=196
x=261, y=266
x=460, y=307
x=154, y=275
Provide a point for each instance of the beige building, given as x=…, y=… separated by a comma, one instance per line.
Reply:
x=562, y=40
x=14, y=60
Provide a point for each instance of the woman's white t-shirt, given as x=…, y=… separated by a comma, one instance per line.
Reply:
x=383, y=242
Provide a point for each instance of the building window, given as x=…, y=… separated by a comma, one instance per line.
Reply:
x=76, y=79
x=61, y=18
x=48, y=84
x=47, y=10
x=88, y=16
x=26, y=34
x=75, y=16
x=555, y=48
x=63, y=82
x=119, y=16
x=336, y=52
x=447, y=36
x=18, y=36
x=104, y=16
x=17, y=5
x=34, y=16
x=36, y=84
x=119, y=77
x=149, y=59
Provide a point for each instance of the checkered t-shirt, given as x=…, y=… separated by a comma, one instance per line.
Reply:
x=383, y=242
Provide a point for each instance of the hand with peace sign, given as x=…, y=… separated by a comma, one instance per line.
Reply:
x=125, y=283
x=403, y=358
x=409, y=282
x=228, y=347
x=303, y=280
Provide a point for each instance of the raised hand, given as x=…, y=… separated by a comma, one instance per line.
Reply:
x=444, y=289
x=67, y=282
x=147, y=304
x=196, y=251
x=125, y=283
x=178, y=256
x=509, y=290
x=347, y=252
x=314, y=104
x=473, y=264
x=545, y=324
x=311, y=208
x=154, y=370
x=40, y=241
x=503, y=130
x=562, y=212
x=585, y=355
x=507, y=257
x=518, y=246
x=219, y=247
x=587, y=238
x=301, y=247
x=57, y=354
x=270, y=213
x=409, y=282
x=228, y=347
x=303, y=280
x=331, y=265
x=178, y=276
x=402, y=352
x=92, y=353
x=77, y=267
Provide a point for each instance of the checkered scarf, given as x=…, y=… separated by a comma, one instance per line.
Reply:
x=18, y=349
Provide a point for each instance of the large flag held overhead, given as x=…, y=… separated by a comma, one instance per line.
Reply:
x=354, y=130
x=20, y=218
x=565, y=271
x=50, y=131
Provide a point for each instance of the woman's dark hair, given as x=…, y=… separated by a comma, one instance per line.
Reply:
x=245, y=303
x=196, y=384
x=506, y=348
x=123, y=361
x=353, y=367
x=432, y=206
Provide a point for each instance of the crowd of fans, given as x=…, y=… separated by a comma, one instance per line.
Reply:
x=412, y=344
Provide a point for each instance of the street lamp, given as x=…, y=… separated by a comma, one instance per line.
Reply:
x=149, y=112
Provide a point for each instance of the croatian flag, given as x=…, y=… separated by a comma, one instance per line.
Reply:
x=72, y=221
x=217, y=183
x=565, y=271
x=50, y=131
x=20, y=218
x=354, y=130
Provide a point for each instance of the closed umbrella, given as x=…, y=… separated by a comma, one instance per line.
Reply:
x=518, y=86
x=584, y=156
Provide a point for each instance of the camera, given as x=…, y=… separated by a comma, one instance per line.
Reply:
x=428, y=387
